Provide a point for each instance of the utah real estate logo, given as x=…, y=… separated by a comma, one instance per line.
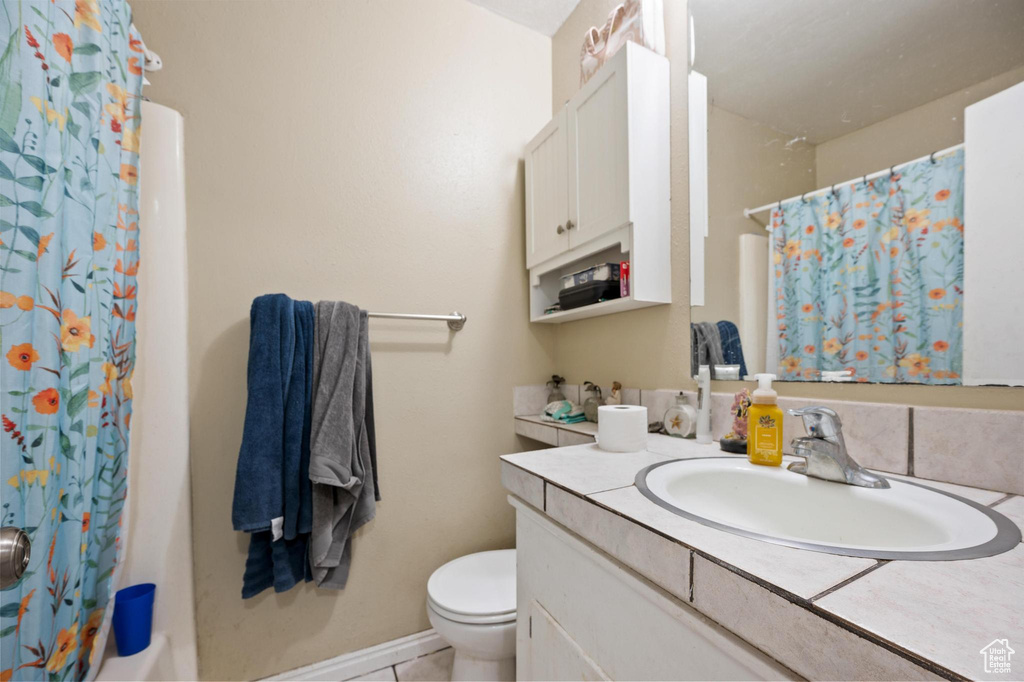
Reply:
x=997, y=655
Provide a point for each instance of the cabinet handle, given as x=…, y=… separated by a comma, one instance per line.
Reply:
x=560, y=229
x=569, y=225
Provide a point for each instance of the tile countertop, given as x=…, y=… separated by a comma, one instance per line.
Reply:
x=882, y=619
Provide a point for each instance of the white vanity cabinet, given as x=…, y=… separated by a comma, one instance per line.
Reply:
x=583, y=616
x=597, y=186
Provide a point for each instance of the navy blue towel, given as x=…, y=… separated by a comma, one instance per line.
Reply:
x=272, y=487
x=732, y=349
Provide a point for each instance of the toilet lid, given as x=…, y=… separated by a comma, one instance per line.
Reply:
x=482, y=584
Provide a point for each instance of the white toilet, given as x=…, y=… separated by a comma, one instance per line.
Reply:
x=471, y=602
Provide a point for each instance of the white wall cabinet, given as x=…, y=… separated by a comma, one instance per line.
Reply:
x=583, y=616
x=598, y=186
x=599, y=154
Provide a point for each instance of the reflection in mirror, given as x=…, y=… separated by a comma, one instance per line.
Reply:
x=863, y=160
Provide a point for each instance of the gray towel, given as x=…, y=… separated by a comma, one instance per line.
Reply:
x=340, y=461
x=705, y=346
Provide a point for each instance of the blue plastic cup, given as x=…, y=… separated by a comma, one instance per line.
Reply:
x=133, y=618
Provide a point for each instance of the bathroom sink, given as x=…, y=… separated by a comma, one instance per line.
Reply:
x=907, y=521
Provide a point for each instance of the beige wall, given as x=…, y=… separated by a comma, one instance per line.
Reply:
x=748, y=165
x=910, y=135
x=650, y=347
x=365, y=151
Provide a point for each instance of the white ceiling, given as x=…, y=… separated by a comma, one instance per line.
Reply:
x=543, y=16
x=824, y=68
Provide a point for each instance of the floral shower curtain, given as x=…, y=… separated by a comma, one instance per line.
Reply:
x=869, y=278
x=70, y=84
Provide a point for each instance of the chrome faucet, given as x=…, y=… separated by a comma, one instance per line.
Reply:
x=824, y=451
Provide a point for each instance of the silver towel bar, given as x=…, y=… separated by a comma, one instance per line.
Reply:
x=456, y=320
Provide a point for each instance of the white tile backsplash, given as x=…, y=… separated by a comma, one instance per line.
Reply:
x=978, y=495
x=658, y=400
x=976, y=448
x=721, y=414
x=630, y=396
x=876, y=434
x=981, y=448
x=529, y=401
x=572, y=393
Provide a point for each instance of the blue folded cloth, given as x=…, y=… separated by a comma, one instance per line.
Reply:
x=732, y=349
x=273, y=494
x=563, y=412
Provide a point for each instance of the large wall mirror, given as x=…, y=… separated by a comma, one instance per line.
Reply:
x=864, y=162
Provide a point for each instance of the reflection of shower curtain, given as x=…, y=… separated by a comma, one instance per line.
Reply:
x=70, y=84
x=870, y=278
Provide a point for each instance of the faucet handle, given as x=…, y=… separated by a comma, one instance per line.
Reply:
x=820, y=422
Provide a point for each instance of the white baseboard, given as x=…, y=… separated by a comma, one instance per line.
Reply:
x=367, y=660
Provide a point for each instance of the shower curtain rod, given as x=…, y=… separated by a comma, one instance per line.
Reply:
x=456, y=320
x=749, y=212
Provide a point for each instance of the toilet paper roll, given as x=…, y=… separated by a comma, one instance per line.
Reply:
x=622, y=428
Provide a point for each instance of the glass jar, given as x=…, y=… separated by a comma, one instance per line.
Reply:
x=555, y=388
x=681, y=419
x=593, y=401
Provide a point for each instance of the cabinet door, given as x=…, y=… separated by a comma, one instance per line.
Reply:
x=606, y=620
x=599, y=154
x=554, y=655
x=547, y=193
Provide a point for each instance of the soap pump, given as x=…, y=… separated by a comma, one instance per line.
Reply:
x=764, y=424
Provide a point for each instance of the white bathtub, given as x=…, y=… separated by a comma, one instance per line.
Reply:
x=153, y=663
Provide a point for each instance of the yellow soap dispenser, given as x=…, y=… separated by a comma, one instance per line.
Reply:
x=764, y=424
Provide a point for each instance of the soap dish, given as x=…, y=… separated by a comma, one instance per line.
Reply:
x=734, y=445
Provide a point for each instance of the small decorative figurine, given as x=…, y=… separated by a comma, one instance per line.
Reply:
x=736, y=440
x=616, y=396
